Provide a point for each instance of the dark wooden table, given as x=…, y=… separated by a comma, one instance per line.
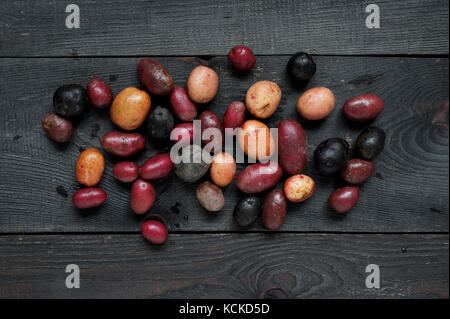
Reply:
x=400, y=223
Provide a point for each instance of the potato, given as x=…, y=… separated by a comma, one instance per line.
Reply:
x=247, y=211
x=154, y=231
x=262, y=99
x=292, y=146
x=130, y=108
x=70, y=100
x=331, y=155
x=274, y=209
x=195, y=163
x=223, y=169
x=299, y=187
x=363, y=107
x=89, y=167
x=155, y=77
x=202, y=84
x=257, y=178
x=370, y=143
x=234, y=116
x=57, y=128
x=89, y=197
x=357, y=171
x=256, y=141
x=316, y=103
x=122, y=144
x=209, y=119
x=99, y=93
x=126, y=172
x=242, y=58
x=182, y=106
x=142, y=196
x=184, y=133
x=158, y=166
x=160, y=123
x=210, y=197
x=344, y=199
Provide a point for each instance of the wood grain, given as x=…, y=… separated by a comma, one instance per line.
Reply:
x=225, y=266
x=172, y=27
x=409, y=192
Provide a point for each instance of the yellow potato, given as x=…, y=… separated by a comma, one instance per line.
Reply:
x=262, y=99
x=130, y=108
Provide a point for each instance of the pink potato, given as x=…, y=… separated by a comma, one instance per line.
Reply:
x=364, y=107
x=292, y=146
x=126, y=172
x=158, y=166
x=89, y=197
x=344, y=199
x=234, y=116
x=142, y=196
x=155, y=232
x=257, y=178
x=123, y=144
x=209, y=119
x=182, y=105
x=99, y=93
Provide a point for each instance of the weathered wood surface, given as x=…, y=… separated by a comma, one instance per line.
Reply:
x=225, y=266
x=409, y=192
x=172, y=27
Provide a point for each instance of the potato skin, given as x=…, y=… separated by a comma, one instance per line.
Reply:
x=364, y=107
x=155, y=77
x=344, y=199
x=122, y=144
x=234, y=116
x=209, y=119
x=57, y=128
x=274, y=209
x=202, y=84
x=100, y=94
x=292, y=146
x=158, y=166
x=182, y=106
x=316, y=103
x=130, y=108
x=142, y=196
x=183, y=132
x=259, y=177
x=210, y=197
x=357, y=171
x=223, y=169
x=89, y=167
x=252, y=134
x=262, y=99
x=299, y=187
x=126, y=172
x=89, y=197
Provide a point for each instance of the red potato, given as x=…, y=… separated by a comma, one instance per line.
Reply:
x=242, y=58
x=202, y=84
x=126, y=172
x=344, y=199
x=234, y=116
x=154, y=231
x=89, y=197
x=123, y=144
x=142, y=196
x=363, y=107
x=299, y=187
x=158, y=166
x=274, y=209
x=292, y=146
x=257, y=178
x=182, y=105
x=209, y=119
x=357, y=171
x=57, y=128
x=99, y=93
x=155, y=77
x=184, y=132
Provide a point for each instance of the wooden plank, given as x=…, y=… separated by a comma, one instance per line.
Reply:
x=409, y=192
x=225, y=266
x=121, y=28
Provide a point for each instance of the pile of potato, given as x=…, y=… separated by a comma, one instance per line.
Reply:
x=131, y=107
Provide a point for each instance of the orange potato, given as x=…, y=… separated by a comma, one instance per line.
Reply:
x=255, y=140
x=299, y=187
x=130, y=108
x=223, y=169
x=89, y=167
x=262, y=99
x=316, y=103
x=202, y=84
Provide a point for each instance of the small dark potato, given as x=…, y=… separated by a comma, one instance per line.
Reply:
x=209, y=119
x=126, y=172
x=363, y=107
x=247, y=211
x=70, y=100
x=331, y=155
x=242, y=58
x=344, y=199
x=234, y=116
x=142, y=196
x=89, y=197
x=155, y=232
x=57, y=128
x=99, y=93
x=210, y=197
x=158, y=166
x=184, y=133
x=370, y=143
x=122, y=144
x=182, y=105
x=357, y=171
x=257, y=178
x=194, y=165
x=155, y=77
x=301, y=67
x=160, y=123
x=274, y=209
x=292, y=146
